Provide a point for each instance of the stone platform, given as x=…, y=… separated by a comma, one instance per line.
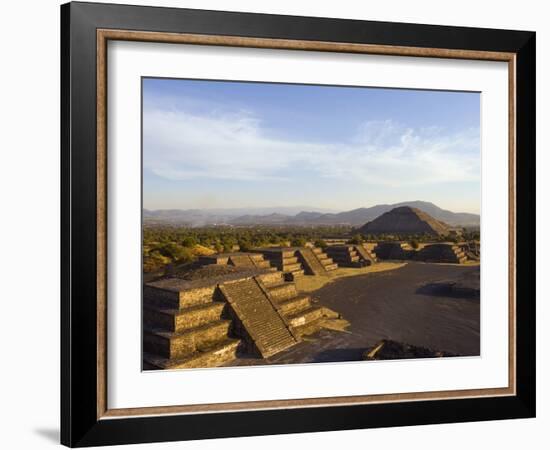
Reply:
x=208, y=322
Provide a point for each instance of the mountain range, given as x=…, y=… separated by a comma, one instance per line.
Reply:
x=299, y=216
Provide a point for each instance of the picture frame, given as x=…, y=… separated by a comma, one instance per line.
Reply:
x=86, y=418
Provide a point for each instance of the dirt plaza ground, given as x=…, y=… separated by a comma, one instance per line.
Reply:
x=415, y=303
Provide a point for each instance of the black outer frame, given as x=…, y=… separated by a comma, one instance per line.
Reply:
x=79, y=423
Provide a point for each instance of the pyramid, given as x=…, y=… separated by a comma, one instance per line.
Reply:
x=405, y=220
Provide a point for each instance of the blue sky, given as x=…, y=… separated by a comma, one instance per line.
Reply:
x=218, y=144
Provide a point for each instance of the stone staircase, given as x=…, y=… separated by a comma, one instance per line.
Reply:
x=298, y=311
x=471, y=250
x=266, y=331
x=349, y=255
x=366, y=252
x=315, y=261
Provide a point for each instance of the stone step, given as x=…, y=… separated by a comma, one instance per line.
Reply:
x=256, y=257
x=212, y=355
x=291, y=267
x=262, y=264
x=294, y=304
x=266, y=331
x=326, y=261
x=308, y=328
x=282, y=291
x=331, y=267
x=241, y=261
x=290, y=260
x=271, y=278
x=292, y=276
x=272, y=337
x=164, y=298
x=317, y=250
x=344, y=251
x=278, y=254
x=183, y=319
x=348, y=258
x=178, y=344
x=305, y=316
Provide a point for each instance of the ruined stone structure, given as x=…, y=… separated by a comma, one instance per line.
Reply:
x=437, y=252
x=209, y=322
x=297, y=261
x=405, y=220
x=394, y=250
x=247, y=260
x=442, y=253
x=471, y=250
x=350, y=255
x=285, y=260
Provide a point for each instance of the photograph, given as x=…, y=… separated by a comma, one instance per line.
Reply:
x=299, y=223
x=288, y=222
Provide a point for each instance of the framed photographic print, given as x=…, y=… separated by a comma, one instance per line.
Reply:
x=276, y=224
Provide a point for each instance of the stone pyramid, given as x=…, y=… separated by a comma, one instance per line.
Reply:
x=405, y=220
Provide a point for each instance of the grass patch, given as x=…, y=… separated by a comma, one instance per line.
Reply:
x=310, y=283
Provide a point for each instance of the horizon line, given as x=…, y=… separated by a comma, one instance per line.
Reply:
x=309, y=208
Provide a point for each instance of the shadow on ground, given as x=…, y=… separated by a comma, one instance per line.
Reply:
x=340, y=354
x=49, y=434
x=448, y=289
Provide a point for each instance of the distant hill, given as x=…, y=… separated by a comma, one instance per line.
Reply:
x=407, y=220
x=300, y=216
x=223, y=216
x=360, y=216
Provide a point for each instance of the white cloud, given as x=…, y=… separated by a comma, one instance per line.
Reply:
x=179, y=145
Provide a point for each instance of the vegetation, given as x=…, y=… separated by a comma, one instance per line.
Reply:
x=165, y=246
x=176, y=245
x=320, y=243
x=356, y=239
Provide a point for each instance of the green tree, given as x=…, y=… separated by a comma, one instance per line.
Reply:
x=189, y=241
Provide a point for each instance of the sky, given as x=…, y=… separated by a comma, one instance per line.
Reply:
x=224, y=144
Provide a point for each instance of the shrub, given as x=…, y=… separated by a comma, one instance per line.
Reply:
x=245, y=246
x=320, y=243
x=154, y=261
x=298, y=242
x=356, y=239
x=175, y=252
